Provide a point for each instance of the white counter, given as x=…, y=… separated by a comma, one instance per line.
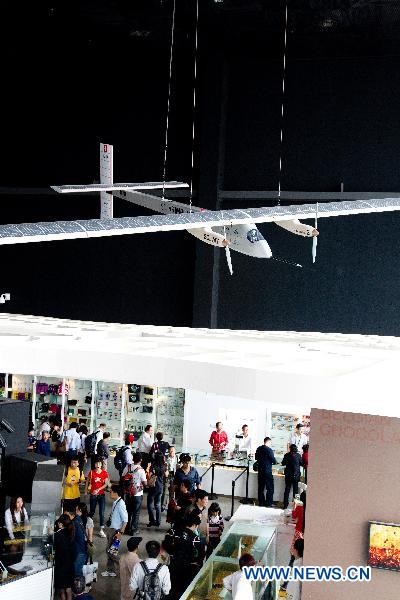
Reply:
x=223, y=482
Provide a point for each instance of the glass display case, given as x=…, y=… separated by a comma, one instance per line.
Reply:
x=30, y=552
x=259, y=541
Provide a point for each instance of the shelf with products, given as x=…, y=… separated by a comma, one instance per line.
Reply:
x=282, y=425
x=140, y=408
x=257, y=540
x=6, y=385
x=109, y=404
x=78, y=406
x=170, y=410
x=47, y=396
x=162, y=408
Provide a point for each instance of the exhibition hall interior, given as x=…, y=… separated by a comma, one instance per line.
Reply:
x=199, y=333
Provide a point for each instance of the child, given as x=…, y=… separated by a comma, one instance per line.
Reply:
x=298, y=515
x=97, y=483
x=237, y=583
x=31, y=441
x=79, y=589
x=215, y=527
x=72, y=495
x=43, y=445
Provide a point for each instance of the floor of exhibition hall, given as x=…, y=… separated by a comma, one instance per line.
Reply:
x=108, y=588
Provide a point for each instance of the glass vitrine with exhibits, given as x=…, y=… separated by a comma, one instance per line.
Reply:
x=242, y=538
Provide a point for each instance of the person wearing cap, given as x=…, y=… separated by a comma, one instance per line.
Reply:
x=297, y=438
x=127, y=458
x=126, y=564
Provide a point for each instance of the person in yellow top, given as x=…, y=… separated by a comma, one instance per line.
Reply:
x=71, y=493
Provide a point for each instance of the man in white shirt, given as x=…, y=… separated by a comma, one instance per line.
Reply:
x=99, y=434
x=134, y=502
x=45, y=426
x=246, y=442
x=298, y=438
x=149, y=565
x=144, y=445
x=237, y=583
x=72, y=440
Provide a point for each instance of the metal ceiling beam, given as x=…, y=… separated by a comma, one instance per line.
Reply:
x=301, y=196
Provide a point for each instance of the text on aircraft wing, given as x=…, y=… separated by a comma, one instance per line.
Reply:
x=106, y=187
x=62, y=230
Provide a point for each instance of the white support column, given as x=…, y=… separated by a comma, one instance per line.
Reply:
x=93, y=406
x=6, y=385
x=33, y=416
x=123, y=401
x=63, y=404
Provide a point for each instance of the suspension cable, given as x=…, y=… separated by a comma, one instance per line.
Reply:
x=283, y=104
x=194, y=102
x=171, y=51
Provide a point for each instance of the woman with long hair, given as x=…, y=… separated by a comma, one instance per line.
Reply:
x=64, y=557
x=157, y=472
x=16, y=519
x=89, y=526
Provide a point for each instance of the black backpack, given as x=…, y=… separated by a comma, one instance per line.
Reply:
x=151, y=587
x=90, y=443
x=119, y=461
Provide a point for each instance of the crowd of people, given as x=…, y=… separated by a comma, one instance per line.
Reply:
x=173, y=487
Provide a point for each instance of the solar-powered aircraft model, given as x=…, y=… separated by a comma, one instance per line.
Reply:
x=230, y=229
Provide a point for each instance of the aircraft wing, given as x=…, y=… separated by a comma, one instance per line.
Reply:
x=62, y=230
x=106, y=187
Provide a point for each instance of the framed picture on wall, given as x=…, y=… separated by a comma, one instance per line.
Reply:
x=384, y=545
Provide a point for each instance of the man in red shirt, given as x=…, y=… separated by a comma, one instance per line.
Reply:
x=96, y=483
x=218, y=439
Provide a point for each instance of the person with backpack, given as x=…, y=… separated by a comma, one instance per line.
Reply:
x=133, y=480
x=103, y=451
x=150, y=579
x=158, y=471
x=96, y=484
x=91, y=442
x=124, y=455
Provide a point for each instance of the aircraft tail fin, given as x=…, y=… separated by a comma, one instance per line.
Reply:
x=106, y=176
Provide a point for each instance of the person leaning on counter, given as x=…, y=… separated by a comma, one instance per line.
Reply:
x=218, y=439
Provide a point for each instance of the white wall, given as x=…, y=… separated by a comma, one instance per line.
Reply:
x=203, y=409
x=33, y=587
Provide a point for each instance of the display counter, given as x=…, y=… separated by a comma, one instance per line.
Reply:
x=260, y=541
x=228, y=468
x=20, y=559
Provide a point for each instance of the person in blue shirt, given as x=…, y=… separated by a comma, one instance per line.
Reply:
x=43, y=446
x=185, y=472
x=265, y=458
x=116, y=525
